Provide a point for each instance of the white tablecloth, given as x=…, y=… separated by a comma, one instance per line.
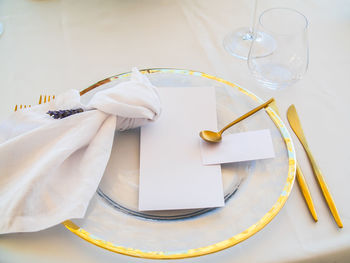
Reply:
x=50, y=46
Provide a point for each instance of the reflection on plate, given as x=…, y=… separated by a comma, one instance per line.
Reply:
x=255, y=191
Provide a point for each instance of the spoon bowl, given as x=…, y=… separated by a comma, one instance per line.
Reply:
x=210, y=136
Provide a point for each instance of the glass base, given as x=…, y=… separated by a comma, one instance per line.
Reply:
x=275, y=77
x=238, y=43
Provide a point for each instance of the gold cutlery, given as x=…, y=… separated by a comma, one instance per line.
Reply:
x=296, y=126
x=211, y=136
x=301, y=179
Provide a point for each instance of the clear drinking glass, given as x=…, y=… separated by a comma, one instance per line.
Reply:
x=288, y=60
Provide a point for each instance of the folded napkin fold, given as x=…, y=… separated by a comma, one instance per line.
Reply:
x=51, y=168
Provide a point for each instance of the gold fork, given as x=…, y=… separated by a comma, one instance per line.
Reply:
x=295, y=124
x=42, y=99
x=301, y=180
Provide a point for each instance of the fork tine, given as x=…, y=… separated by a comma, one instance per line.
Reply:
x=42, y=99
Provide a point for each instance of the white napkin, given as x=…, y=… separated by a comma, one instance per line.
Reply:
x=51, y=168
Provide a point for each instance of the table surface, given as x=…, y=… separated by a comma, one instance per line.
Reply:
x=50, y=46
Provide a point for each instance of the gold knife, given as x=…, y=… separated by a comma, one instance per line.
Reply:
x=296, y=126
x=301, y=180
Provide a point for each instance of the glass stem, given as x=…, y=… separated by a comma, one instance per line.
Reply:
x=1, y=28
x=253, y=18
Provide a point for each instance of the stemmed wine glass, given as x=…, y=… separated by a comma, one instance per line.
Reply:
x=238, y=42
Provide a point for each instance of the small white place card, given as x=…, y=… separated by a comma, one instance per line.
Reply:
x=238, y=147
x=172, y=175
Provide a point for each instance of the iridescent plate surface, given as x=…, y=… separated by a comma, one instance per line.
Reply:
x=255, y=191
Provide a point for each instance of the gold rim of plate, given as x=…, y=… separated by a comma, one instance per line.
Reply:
x=195, y=252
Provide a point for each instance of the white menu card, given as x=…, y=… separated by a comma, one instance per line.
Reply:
x=172, y=175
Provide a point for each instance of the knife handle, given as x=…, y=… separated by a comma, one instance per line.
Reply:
x=324, y=187
x=306, y=193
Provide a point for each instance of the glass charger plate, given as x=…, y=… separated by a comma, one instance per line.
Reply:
x=255, y=191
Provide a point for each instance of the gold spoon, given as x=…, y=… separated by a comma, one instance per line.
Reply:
x=211, y=136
